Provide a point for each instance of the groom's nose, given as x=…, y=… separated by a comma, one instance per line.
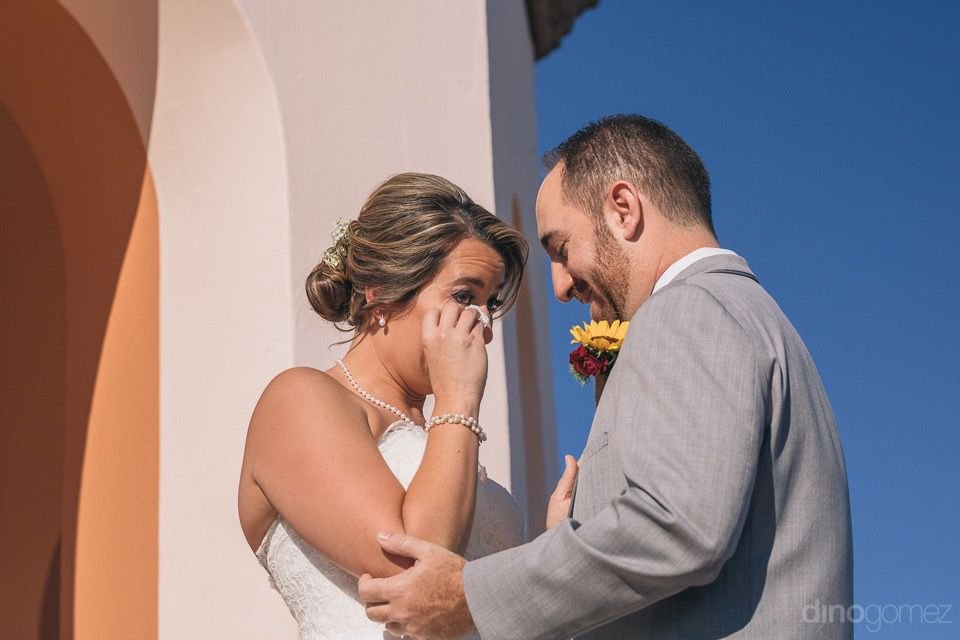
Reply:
x=563, y=285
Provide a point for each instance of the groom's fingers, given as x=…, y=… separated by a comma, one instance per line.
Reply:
x=396, y=629
x=404, y=545
x=370, y=589
x=378, y=612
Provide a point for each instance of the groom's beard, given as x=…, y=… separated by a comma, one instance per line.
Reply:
x=608, y=281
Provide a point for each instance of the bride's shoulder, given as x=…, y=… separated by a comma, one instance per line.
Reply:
x=300, y=377
x=304, y=383
x=304, y=395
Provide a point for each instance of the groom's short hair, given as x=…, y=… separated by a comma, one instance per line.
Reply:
x=642, y=150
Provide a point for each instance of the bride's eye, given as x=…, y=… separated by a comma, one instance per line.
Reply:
x=463, y=297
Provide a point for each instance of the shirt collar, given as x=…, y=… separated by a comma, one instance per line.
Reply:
x=686, y=261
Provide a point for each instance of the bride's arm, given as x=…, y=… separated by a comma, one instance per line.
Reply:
x=441, y=497
x=312, y=454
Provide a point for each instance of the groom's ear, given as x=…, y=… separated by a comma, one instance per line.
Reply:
x=625, y=209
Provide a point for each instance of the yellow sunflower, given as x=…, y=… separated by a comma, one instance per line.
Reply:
x=602, y=335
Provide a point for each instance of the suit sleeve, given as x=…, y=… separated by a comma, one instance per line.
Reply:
x=690, y=417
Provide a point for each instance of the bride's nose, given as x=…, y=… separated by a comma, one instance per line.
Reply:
x=488, y=330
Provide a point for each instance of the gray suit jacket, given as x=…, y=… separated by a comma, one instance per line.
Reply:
x=711, y=500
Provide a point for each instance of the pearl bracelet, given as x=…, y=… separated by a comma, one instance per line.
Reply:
x=457, y=418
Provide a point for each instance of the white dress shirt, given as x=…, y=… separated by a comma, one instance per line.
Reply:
x=686, y=261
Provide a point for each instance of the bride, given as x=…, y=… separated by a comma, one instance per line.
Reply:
x=334, y=456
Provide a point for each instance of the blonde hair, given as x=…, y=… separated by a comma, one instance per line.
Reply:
x=397, y=245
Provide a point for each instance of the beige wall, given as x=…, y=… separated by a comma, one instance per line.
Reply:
x=527, y=365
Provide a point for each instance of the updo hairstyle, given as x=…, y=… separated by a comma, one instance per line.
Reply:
x=399, y=243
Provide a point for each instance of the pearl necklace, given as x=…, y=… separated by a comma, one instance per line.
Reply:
x=481, y=470
x=375, y=401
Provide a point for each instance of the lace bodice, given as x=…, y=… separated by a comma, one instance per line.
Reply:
x=323, y=598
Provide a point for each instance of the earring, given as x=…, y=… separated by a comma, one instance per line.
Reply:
x=382, y=321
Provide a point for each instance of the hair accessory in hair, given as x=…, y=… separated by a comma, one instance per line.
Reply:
x=333, y=256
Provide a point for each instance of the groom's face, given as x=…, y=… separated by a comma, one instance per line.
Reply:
x=586, y=263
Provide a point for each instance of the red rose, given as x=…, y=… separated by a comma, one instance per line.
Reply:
x=585, y=363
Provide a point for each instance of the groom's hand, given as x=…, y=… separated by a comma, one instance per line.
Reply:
x=424, y=602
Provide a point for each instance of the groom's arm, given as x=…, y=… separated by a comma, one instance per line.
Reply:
x=690, y=409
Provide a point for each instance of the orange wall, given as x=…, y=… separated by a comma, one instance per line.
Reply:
x=32, y=393
x=79, y=291
x=115, y=592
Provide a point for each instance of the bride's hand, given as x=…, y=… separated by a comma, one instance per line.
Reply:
x=559, y=504
x=455, y=351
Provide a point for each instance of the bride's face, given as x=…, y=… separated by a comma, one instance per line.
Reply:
x=472, y=274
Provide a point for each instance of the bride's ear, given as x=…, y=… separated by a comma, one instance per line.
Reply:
x=369, y=294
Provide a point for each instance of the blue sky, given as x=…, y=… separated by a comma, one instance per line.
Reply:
x=831, y=131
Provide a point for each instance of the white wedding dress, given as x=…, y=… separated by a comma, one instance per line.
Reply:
x=323, y=597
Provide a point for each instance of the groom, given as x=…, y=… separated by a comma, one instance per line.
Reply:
x=711, y=497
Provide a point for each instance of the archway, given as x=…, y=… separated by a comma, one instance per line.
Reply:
x=80, y=290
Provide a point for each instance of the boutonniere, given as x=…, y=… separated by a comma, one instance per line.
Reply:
x=599, y=344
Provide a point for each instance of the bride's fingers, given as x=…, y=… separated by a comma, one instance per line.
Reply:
x=482, y=316
x=565, y=484
x=449, y=314
x=469, y=319
x=473, y=320
x=431, y=318
x=481, y=333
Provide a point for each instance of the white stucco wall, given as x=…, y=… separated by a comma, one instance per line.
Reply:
x=369, y=89
x=226, y=325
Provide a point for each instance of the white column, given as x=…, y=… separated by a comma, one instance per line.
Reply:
x=226, y=325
